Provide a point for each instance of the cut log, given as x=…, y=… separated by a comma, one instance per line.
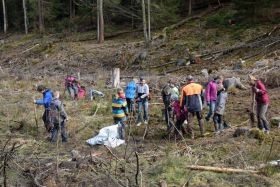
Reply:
x=221, y=170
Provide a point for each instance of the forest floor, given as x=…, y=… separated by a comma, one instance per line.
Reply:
x=33, y=59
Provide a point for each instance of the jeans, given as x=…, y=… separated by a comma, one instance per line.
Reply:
x=130, y=104
x=211, y=107
x=262, y=121
x=54, y=132
x=143, y=105
x=75, y=90
x=121, y=126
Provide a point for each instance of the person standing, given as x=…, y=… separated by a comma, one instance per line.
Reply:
x=120, y=112
x=46, y=101
x=142, y=94
x=71, y=84
x=220, y=109
x=130, y=93
x=191, y=100
x=211, y=97
x=58, y=118
x=262, y=100
x=166, y=93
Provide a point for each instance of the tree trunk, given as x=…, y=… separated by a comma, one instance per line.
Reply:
x=144, y=21
x=190, y=7
x=100, y=22
x=25, y=16
x=98, y=34
x=149, y=20
x=5, y=17
x=71, y=9
x=40, y=13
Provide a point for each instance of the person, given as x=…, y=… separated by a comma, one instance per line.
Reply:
x=142, y=94
x=46, y=101
x=166, y=98
x=120, y=111
x=93, y=92
x=220, y=109
x=191, y=99
x=58, y=118
x=262, y=101
x=211, y=97
x=71, y=84
x=130, y=93
x=179, y=115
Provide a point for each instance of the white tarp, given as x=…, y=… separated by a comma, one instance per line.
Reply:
x=107, y=136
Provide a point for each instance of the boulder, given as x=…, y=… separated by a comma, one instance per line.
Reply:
x=261, y=63
x=233, y=82
x=275, y=121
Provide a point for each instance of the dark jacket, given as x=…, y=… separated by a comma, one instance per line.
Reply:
x=191, y=97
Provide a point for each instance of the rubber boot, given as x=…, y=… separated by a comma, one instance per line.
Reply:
x=201, y=127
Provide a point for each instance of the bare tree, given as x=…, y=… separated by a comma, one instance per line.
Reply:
x=25, y=16
x=72, y=11
x=144, y=22
x=41, y=18
x=5, y=17
x=149, y=20
x=190, y=7
x=100, y=22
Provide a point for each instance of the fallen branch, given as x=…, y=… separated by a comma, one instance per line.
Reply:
x=110, y=151
x=221, y=170
x=36, y=45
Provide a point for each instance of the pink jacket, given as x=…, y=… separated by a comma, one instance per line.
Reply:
x=261, y=93
x=68, y=81
x=211, y=91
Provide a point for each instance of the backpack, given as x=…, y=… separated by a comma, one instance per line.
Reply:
x=166, y=95
x=54, y=115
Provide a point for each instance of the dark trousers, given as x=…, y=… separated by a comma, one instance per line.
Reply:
x=55, y=130
x=130, y=104
x=218, y=122
x=121, y=126
x=180, y=127
x=190, y=118
x=168, y=117
x=261, y=112
x=46, y=120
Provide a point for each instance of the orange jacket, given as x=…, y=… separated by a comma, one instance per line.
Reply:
x=191, y=97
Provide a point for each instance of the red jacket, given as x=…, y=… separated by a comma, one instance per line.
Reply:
x=261, y=93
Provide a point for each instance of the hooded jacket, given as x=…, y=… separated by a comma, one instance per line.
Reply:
x=221, y=103
x=47, y=99
x=130, y=90
x=211, y=91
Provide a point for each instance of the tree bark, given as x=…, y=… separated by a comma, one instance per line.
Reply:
x=40, y=13
x=144, y=21
x=190, y=7
x=98, y=15
x=101, y=22
x=149, y=20
x=25, y=16
x=71, y=9
x=5, y=16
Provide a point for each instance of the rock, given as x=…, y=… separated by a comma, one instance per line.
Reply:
x=205, y=73
x=256, y=133
x=261, y=63
x=68, y=165
x=233, y=83
x=181, y=62
x=275, y=122
x=75, y=155
x=276, y=63
x=240, y=132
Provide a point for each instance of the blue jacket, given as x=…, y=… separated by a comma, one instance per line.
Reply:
x=47, y=99
x=130, y=91
x=119, y=107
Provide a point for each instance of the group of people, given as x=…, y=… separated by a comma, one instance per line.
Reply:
x=184, y=108
x=124, y=103
x=181, y=107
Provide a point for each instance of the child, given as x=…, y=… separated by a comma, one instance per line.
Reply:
x=180, y=116
x=220, y=109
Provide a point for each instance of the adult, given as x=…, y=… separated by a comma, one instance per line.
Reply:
x=260, y=94
x=166, y=93
x=142, y=94
x=120, y=111
x=58, y=118
x=71, y=84
x=211, y=97
x=46, y=101
x=130, y=93
x=191, y=100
